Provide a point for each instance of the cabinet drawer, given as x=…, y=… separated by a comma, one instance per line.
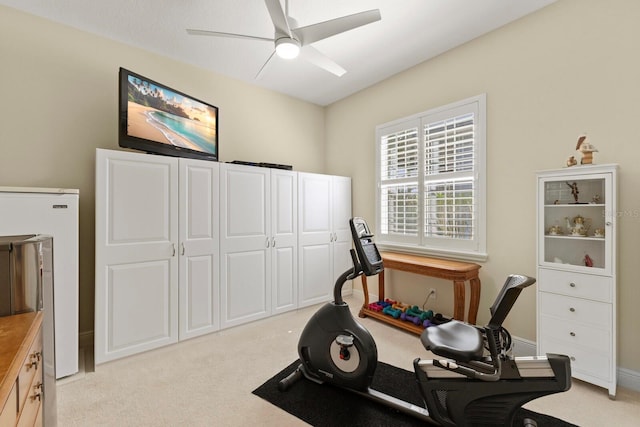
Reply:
x=28, y=371
x=9, y=413
x=575, y=333
x=584, y=361
x=575, y=309
x=598, y=288
x=33, y=402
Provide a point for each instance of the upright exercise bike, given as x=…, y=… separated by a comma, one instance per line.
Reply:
x=475, y=382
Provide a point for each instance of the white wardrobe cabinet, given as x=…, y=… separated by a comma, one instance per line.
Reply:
x=324, y=210
x=187, y=247
x=258, y=243
x=156, y=252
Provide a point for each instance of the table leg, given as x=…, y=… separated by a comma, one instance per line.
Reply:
x=474, y=285
x=458, y=299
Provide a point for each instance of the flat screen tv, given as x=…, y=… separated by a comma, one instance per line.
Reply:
x=157, y=119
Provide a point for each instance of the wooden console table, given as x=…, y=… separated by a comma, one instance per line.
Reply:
x=456, y=271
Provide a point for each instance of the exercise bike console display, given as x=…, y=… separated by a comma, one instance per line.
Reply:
x=474, y=379
x=370, y=259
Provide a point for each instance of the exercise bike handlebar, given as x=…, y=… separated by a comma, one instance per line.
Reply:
x=350, y=274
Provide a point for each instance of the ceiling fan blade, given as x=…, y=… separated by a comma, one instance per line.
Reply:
x=322, y=30
x=278, y=17
x=319, y=59
x=264, y=66
x=219, y=34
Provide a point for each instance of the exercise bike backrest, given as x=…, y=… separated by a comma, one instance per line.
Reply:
x=507, y=296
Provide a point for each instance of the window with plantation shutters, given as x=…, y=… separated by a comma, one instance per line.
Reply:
x=431, y=181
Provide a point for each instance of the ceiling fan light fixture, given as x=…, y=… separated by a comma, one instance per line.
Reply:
x=287, y=48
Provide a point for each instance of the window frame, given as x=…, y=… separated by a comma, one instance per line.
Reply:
x=469, y=249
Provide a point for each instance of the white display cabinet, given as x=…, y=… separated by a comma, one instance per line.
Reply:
x=577, y=269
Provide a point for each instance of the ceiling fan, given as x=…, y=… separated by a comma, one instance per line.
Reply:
x=290, y=41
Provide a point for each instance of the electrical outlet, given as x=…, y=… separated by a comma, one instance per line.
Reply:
x=432, y=293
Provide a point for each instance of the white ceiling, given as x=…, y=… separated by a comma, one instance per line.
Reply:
x=410, y=32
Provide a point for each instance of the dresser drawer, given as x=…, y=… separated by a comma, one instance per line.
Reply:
x=33, y=403
x=9, y=413
x=585, y=361
x=29, y=370
x=575, y=333
x=575, y=309
x=597, y=288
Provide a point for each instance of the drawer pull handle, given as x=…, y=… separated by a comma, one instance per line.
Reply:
x=35, y=359
x=573, y=359
x=573, y=310
x=573, y=334
x=573, y=285
x=37, y=392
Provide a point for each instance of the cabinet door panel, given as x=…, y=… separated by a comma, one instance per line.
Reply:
x=284, y=278
x=141, y=213
x=245, y=296
x=245, y=244
x=341, y=258
x=145, y=301
x=341, y=208
x=315, y=202
x=199, y=310
x=317, y=280
x=245, y=193
x=199, y=248
x=284, y=231
x=136, y=253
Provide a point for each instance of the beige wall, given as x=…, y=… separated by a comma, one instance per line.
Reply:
x=59, y=103
x=572, y=67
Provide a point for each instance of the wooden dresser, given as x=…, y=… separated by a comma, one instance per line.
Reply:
x=21, y=370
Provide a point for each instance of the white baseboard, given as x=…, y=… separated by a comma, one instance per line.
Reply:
x=629, y=379
x=523, y=347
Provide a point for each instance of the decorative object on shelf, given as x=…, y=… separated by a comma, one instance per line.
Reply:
x=574, y=190
x=598, y=232
x=588, y=262
x=580, y=226
x=595, y=199
x=571, y=161
x=587, y=150
x=555, y=230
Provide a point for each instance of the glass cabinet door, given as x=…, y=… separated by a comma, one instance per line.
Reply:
x=576, y=222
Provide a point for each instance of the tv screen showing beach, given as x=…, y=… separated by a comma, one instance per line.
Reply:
x=156, y=113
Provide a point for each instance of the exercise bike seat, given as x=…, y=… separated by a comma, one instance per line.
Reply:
x=454, y=340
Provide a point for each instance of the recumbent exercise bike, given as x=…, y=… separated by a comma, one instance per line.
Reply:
x=476, y=382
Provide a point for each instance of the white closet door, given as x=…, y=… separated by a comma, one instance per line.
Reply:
x=341, y=213
x=245, y=246
x=315, y=239
x=136, y=263
x=199, y=301
x=284, y=242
